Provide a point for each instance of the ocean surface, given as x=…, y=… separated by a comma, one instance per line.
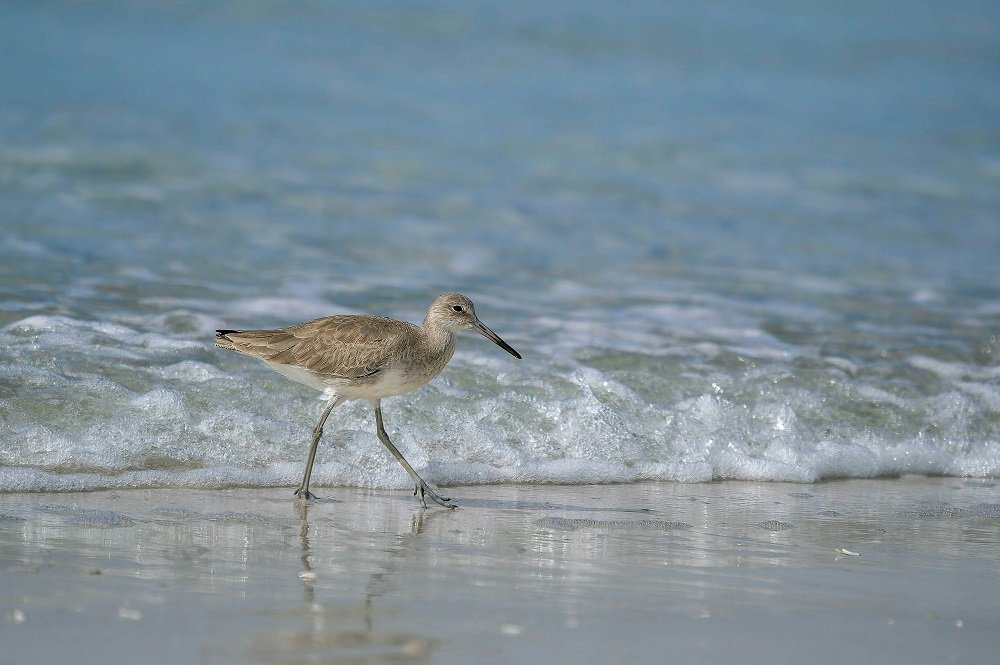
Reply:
x=731, y=241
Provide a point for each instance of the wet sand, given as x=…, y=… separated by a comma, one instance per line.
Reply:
x=644, y=573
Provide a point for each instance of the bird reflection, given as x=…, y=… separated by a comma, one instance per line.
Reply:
x=327, y=635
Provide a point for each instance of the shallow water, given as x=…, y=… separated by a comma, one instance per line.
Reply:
x=730, y=243
x=365, y=576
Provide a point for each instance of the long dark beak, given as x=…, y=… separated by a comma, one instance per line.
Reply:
x=495, y=338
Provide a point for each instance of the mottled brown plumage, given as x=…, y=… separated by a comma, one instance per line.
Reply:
x=357, y=356
x=345, y=346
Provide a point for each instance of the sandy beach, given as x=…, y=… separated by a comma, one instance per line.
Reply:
x=874, y=571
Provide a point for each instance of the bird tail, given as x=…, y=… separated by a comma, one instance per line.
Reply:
x=222, y=341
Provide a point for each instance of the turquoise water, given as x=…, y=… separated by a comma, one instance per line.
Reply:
x=730, y=242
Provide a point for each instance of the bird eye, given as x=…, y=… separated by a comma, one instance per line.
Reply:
x=458, y=308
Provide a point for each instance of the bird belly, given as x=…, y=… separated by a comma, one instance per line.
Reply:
x=391, y=381
x=388, y=382
x=301, y=375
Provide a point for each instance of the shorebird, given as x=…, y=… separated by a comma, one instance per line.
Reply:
x=358, y=356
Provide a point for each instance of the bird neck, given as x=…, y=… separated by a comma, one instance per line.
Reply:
x=437, y=337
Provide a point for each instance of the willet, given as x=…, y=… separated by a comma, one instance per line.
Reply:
x=357, y=356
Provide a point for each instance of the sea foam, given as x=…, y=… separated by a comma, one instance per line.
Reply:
x=91, y=404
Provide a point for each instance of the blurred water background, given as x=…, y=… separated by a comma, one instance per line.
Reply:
x=732, y=240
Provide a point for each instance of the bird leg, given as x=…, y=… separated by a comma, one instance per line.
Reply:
x=420, y=488
x=303, y=491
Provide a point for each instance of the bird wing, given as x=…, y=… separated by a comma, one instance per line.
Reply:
x=347, y=346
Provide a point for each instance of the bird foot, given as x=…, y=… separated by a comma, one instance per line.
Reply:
x=302, y=494
x=422, y=489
